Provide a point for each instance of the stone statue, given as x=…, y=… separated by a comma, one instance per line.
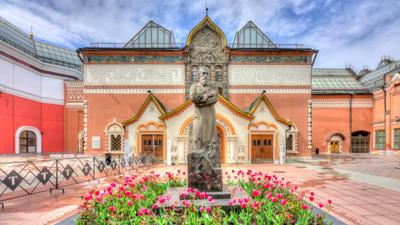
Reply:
x=204, y=163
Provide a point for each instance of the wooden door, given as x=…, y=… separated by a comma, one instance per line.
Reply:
x=152, y=144
x=261, y=148
x=334, y=146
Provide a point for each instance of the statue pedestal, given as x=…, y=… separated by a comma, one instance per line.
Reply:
x=204, y=167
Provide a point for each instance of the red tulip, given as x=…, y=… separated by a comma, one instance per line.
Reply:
x=283, y=201
x=329, y=201
x=304, y=206
x=321, y=205
x=208, y=209
x=111, y=208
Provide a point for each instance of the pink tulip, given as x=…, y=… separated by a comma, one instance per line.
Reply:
x=130, y=203
x=283, y=201
x=304, y=206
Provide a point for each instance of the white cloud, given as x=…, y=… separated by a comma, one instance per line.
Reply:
x=354, y=32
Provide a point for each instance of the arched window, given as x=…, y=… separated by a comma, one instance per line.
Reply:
x=115, y=133
x=195, y=73
x=27, y=142
x=218, y=74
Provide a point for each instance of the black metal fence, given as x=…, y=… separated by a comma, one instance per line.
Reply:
x=22, y=178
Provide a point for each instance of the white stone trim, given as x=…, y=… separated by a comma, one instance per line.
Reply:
x=270, y=91
x=38, y=138
x=30, y=96
x=85, y=126
x=310, y=106
x=133, y=91
x=342, y=103
x=74, y=105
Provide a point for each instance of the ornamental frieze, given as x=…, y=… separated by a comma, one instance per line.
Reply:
x=133, y=59
x=270, y=59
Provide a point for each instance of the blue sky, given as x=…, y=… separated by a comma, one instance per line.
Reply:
x=356, y=32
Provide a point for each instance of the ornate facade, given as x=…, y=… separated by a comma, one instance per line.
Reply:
x=134, y=100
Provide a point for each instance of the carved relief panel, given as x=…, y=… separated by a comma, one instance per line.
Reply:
x=206, y=50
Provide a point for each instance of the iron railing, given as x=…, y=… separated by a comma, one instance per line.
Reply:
x=181, y=45
x=23, y=178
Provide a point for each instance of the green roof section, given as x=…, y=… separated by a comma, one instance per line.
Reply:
x=47, y=53
x=375, y=79
x=335, y=81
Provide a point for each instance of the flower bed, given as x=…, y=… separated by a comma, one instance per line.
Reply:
x=139, y=201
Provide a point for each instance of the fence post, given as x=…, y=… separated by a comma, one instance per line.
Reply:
x=56, y=173
x=94, y=167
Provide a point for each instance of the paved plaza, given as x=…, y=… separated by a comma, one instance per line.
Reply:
x=365, y=189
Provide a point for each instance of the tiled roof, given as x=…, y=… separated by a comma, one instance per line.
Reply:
x=335, y=81
x=47, y=53
x=375, y=79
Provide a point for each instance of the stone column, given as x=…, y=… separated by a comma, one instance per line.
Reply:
x=181, y=149
x=231, y=144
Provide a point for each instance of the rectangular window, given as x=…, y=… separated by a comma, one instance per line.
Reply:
x=380, y=139
x=396, y=138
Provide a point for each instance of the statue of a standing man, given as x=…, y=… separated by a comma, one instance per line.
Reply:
x=204, y=163
x=204, y=96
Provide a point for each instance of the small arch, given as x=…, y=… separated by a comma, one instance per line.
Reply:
x=221, y=120
x=335, y=134
x=256, y=126
x=37, y=134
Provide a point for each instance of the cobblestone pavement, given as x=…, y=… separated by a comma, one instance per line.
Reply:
x=356, y=199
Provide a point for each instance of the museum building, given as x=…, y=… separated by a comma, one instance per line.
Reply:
x=134, y=98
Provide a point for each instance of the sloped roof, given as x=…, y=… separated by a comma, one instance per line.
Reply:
x=152, y=35
x=150, y=98
x=221, y=99
x=47, y=53
x=250, y=36
x=262, y=98
x=375, y=79
x=335, y=81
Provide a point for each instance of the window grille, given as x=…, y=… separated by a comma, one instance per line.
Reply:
x=115, y=142
x=289, y=143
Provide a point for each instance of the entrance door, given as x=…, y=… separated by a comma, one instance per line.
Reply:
x=27, y=142
x=261, y=148
x=360, y=142
x=334, y=146
x=152, y=144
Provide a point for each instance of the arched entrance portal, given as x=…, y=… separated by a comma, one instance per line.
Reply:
x=225, y=131
x=335, y=143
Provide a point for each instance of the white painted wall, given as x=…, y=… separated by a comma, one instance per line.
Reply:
x=23, y=82
x=270, y=74
x=143, y=74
